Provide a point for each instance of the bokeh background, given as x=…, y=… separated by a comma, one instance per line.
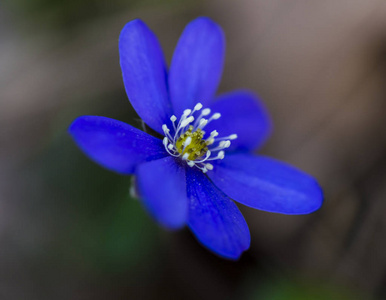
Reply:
x=69, y=229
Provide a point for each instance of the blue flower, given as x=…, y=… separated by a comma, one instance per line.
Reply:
x=203, y=157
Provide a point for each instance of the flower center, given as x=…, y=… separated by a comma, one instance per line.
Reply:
x=188, y=141
x=192, y=143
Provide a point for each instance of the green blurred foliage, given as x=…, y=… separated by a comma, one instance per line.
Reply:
x=302, y=290
x=64, y=15
x=102, y=226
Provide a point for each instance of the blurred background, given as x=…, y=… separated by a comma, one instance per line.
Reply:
x=69, y=229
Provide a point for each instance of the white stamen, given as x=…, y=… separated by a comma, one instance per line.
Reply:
x=214, y=133
x=173, y=118
x=216, y=116
x=189, y=124
x=209, y=141
x=220, y=155
x=198, y=107
x=222, y=145
x=187, y=141
x=169, y=147
x=208, y=153
x=205, y=111
x=231, y=137
x=167, y=132
x=209, y=166
x=202, y=123
x=187, y=121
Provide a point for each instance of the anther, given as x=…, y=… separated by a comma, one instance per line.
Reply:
x=209, y=166
x=198, y=106
x=173, y=118
x=205, y=111
x=227, y=144
x=187, y=112
x=221, y=144
x=216, y=116
x=187, y=141
x=202, y=123
x=214, y=133
x=209, y=141
x=187, y=121
x=165, y=128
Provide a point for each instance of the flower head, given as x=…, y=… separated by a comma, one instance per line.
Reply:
x=204, y=158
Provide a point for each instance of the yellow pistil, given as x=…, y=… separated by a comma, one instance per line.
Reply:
x=197, y=146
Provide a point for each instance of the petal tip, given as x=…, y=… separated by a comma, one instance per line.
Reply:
x=318, y=198
x=130, y=31
x=233, y=256
x=208, y=25
x=76, y=123
x=205, y=21
x=131, y=24
x=267, y=184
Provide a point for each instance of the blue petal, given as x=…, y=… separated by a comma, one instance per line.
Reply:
x=244, y=114
x=214, y=218
x=197, y=65
x=267, y=184
x=113, y=144
x=144, y=74
x=162, y=188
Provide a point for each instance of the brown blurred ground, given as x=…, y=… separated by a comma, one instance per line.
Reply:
x=320, y=68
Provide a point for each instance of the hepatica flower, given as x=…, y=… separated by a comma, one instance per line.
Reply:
x=202, y=157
